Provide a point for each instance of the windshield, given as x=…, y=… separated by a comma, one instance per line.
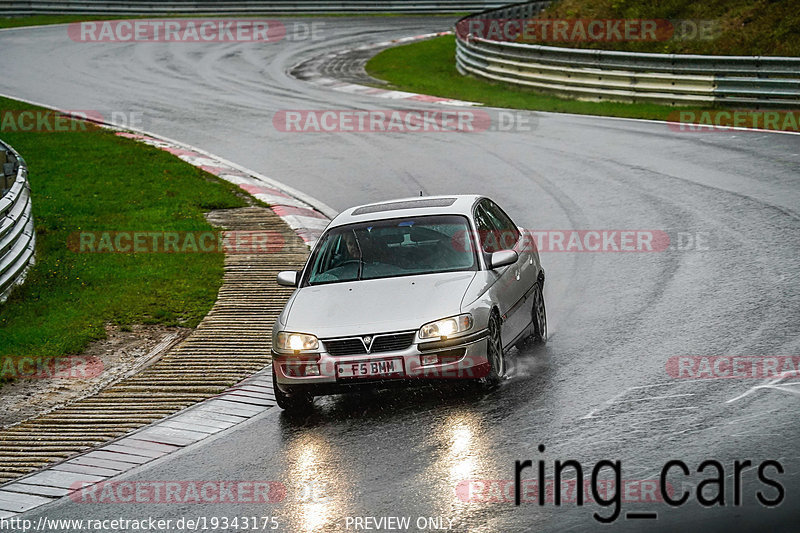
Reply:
x=391, y=248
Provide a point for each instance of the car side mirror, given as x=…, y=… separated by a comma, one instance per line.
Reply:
x=502, y=258
x=287, y=278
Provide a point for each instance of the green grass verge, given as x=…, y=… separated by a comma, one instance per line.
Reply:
x=740, y=27
x=93, y=180
x=428, y=67
x=43, y=20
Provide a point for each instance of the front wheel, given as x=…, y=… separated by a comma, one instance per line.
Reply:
x=292, y=403
x=539, y=316
x=494, y=352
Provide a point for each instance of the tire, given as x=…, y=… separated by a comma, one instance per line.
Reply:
x=539, y=316
x=538, y=332
x=291, y=403
x=494, y=352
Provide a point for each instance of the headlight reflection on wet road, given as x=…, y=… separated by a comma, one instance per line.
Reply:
x=316, y=486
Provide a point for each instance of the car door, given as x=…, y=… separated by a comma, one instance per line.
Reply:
x=499, y=233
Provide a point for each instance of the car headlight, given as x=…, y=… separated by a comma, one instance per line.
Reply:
x=296, y=342
x=446, y=327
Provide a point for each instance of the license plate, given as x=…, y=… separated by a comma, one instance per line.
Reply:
x=365, y=369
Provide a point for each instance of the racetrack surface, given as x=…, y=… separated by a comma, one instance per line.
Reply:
x=599, y=390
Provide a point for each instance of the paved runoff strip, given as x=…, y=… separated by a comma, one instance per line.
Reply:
x=216, y=378
x=246, y=399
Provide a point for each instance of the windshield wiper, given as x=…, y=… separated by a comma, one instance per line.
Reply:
x=360, y=257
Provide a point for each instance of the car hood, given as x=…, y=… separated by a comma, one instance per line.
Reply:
x=376, y=306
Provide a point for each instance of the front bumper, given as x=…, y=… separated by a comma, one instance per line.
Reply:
x=457, y=358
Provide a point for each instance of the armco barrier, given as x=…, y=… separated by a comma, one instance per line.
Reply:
x=232, y=7
x=600, y=75
x=17, y=238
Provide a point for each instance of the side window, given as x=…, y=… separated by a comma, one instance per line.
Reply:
x=508, y=232
x=488, y=233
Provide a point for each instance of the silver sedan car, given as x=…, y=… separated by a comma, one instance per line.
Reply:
x=407, y=290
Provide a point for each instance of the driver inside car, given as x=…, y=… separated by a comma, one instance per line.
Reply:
x=349, y=250
x=352, y=249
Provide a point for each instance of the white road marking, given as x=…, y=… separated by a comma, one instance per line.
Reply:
x=769, y=384
x=613, y=399
x=604, y=405
x=627, y=413
x=655, y=398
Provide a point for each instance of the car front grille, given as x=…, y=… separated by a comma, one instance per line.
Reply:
x=389, y=342
x=345, y=347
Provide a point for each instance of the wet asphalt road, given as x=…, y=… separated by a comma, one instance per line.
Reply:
x=599, y=390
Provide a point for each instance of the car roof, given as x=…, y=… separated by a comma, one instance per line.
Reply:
x=453, y=204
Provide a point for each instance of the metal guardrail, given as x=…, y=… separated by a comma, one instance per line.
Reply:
x=602, y=75
x=233, y=7
x=17, y=237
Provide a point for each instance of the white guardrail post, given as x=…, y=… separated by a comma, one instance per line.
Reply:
x=17, y=237
x=603, y=75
